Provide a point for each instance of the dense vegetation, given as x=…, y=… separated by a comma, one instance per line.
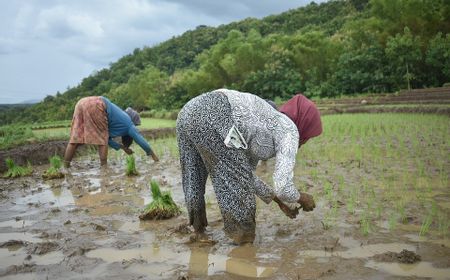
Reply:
x=326, y=50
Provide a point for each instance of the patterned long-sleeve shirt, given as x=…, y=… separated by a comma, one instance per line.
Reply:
x=266, y=133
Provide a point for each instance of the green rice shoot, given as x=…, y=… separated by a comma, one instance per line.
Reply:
x=131, y=166
x=16, y=170
x=162, y=206
x=54, y=171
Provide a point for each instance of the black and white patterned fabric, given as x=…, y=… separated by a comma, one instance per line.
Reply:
x=202, y=127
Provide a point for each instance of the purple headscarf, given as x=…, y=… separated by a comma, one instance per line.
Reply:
x=135, y=118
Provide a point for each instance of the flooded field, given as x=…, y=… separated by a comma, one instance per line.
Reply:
x=383, y=211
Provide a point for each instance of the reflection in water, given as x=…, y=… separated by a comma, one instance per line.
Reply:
x=16, y=223
x=15, y=257
x=417, y=238
x=364, y=251
x=47, y=195
x=240, y=261
x=199, y=262
x=21, y=276
x=421, y=269
x=23, y=236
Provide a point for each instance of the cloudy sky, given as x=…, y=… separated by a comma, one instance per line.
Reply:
x=48, y=45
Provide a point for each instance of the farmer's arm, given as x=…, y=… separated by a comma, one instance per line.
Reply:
x=113, y=144
x=140, y=140
x=262, y=190
x=283, y=175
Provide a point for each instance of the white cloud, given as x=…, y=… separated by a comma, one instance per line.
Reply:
x=48, y=45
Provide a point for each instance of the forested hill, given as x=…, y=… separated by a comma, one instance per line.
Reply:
x=326, y=50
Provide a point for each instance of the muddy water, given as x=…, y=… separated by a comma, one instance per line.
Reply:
x=90, y=221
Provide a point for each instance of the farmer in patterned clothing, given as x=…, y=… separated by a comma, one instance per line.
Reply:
x=224, y=133
x=96, y=121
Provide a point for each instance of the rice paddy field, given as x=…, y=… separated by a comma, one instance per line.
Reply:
x=380, y=181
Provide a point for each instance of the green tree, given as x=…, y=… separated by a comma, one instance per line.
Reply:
x=438, y=59
x=405, y=60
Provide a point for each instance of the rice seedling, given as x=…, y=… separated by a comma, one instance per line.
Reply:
x=426, y=224
x=162, y=206
x=365, y=223
x=328, y=191
x=131, y=166
x=392, y=222
x=443, y=223
x=16, y=170
x=54, y=171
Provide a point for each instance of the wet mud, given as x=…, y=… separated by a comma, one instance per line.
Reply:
x=86, y=226
x=39, y=153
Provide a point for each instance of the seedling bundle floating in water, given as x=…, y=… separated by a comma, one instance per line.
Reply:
x=162, y=206
x=16, y=170
x=54, y=171
x=131, y=166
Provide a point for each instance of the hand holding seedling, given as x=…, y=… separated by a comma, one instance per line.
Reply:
x=127, y=150
x=306, y=202
x=291, y=213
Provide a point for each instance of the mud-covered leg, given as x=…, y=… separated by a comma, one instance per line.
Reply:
x=70, y=152
x=194, y=177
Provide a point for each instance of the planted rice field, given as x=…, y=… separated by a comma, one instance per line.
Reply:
x=380, y=181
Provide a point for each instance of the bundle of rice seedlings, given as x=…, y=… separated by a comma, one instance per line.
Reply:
x=54, y=171
x=16, y=170
x=131, y=166
x=162, y=206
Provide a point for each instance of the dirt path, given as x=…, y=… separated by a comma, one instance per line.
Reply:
x=86, y=226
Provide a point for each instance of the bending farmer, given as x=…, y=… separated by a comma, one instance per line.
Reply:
x=224, y=133
x=96, y=121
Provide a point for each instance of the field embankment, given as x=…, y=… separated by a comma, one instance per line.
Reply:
x=430, y=101
x=38, y=153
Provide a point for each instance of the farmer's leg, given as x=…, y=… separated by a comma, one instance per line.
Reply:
x=103, y=153
x=233, y=184
x=68, y=155
x=194, y=177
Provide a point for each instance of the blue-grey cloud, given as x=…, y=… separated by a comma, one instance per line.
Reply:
x=48, y=45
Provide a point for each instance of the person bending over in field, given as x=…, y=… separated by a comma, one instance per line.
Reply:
x=224, y=133
x=96, y=121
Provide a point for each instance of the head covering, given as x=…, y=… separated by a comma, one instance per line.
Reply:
x=135, y=118
x=271, y=103
x=304, y=113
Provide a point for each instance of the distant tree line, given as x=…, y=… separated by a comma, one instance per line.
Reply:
x=327, y=50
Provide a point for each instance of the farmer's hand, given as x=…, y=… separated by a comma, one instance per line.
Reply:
x=291, y=213
x=127, y=150
x=306, y=202
x=154, y=156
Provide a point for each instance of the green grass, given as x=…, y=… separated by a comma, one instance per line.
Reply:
x=52, y=133
x=16, y=135
x=149, y=123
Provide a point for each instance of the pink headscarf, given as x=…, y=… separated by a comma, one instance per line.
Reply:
x=304, y=113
